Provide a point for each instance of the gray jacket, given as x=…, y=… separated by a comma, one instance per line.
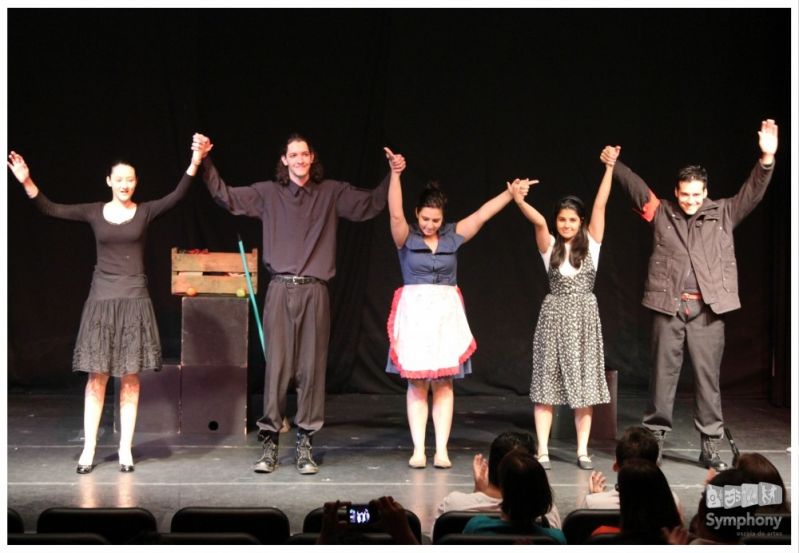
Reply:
x=708, y=244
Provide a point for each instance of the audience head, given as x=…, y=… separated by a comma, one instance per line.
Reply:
x=646, y=501
x=710, y=520
x=504, y=444
x=636, y=443
x=526, y=494
x=756, y=469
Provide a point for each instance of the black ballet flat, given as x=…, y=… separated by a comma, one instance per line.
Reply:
x=125, y=468
x=84, y=469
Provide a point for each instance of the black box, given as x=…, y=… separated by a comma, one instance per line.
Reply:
x=214, y=331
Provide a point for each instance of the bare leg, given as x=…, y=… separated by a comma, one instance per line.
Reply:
x=582, y=424
x=93, y=401
x=128, y=407
x=416, y=401
x=543, y=424
x=443, y=404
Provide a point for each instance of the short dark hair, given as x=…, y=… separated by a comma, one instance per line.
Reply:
x=282, y=172
x=637, y=442
x=691, y=173
x=526, y=494
x=504, y=444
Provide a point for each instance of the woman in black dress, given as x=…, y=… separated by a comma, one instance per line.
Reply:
x=118, y=335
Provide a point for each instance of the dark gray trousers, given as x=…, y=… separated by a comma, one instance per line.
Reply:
x=297, y=333
x=701, y=331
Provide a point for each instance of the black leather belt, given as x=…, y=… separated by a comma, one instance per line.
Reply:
x=294, y=279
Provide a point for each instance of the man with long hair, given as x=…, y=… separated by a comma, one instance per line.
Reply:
x=299, y=212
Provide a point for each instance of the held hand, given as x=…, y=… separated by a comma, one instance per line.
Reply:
x=768, y=137
x=18, y=166
x=525, y=184
x=480, y=472
x=200, y=146
x=609, y=155
x=519, y=188
x=395, y=161
x=596, y=484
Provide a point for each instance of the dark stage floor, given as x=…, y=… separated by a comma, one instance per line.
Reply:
x=363, y=452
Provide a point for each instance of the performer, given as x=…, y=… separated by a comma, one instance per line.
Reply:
x=568, y=355
x=430, y=340
x=299, y=213
x=692, y=281
x=118, y=335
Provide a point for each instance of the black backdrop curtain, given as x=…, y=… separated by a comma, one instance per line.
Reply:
x=471, y=97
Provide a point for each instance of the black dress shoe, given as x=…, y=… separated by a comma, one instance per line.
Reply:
x=84, y=469
x=125, y=468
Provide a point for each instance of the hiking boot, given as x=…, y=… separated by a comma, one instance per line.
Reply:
x=305, y=462
x=268, y=461
x=710, y=454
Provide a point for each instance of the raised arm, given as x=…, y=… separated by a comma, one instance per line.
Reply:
x=754, y=188
x=542, y=237
x=241, y=200
x=471, y=225
x=159, y=206
x=72, y=212
x=20, y=169
x=767, y=140
x=645, y=202
x=399, y=226
x=596, y=227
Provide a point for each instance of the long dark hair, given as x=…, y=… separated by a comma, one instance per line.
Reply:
x=432, y=196
x=282, y=172
x=579, y=244
x=645, y=499
x=526, y=494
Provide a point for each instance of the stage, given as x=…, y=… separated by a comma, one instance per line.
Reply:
x=362, y=452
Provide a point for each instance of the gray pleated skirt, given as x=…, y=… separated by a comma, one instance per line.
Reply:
x=118, y=332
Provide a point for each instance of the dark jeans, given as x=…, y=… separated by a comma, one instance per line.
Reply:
x=701, y=331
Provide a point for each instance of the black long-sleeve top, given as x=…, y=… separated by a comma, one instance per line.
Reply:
x=120, y=247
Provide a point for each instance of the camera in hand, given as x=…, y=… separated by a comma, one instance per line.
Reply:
x=359, y=514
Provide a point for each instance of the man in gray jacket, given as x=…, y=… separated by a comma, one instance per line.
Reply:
x=692, y=281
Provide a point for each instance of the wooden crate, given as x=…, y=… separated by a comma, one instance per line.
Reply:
x=213, y=272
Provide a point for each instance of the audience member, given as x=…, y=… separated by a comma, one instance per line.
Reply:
x=390, y=518
x=487, y=496
x=526, y=496
x=646, y=503
x=636, y=443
